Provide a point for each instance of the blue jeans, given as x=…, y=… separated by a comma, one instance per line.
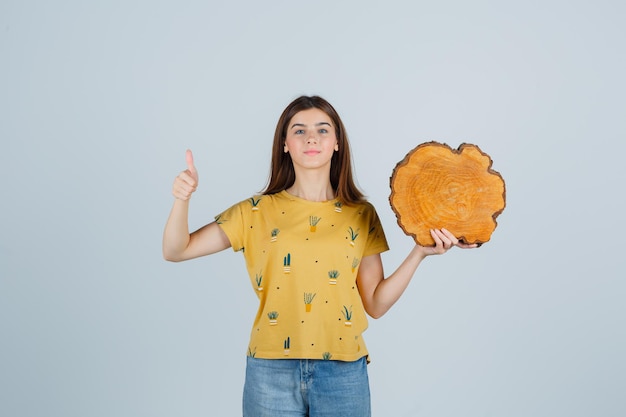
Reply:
x=306, y=388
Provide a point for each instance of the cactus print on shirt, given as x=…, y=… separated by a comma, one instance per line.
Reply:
x=303, y=258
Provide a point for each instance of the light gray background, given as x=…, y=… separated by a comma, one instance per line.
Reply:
x=99, y=101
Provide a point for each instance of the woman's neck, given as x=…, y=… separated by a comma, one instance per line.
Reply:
x=312, y=191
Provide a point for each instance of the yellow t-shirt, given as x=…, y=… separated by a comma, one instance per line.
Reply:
x=303, y=258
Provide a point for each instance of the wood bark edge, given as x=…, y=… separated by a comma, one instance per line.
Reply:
x=495, y=208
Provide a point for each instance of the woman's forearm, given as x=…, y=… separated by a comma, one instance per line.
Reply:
x=379, y=294
x=176, y=233
x=389, y=290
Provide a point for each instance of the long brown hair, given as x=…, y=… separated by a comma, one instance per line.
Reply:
x=282, y=175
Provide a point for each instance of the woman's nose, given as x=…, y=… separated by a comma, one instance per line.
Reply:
x=312, y=137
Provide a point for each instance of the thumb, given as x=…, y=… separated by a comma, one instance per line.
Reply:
x=190, y=166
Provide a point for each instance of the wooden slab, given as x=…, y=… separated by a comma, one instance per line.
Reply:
x=436, y=186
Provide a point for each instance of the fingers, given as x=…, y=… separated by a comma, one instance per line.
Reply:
x=189, y=158
x=444, y=240
x=464, y=245
x=449, y=238
x=184, y=186
x=187, y=181
x=457, y=242
x=191, y=168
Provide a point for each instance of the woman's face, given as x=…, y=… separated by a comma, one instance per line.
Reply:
x=311, y=139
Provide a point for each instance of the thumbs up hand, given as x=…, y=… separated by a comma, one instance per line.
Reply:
x=187, y=181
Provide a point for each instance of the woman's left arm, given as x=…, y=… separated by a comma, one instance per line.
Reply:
x=379, y=294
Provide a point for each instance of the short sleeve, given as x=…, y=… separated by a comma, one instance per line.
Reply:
x=232, y=223
x=376, y=240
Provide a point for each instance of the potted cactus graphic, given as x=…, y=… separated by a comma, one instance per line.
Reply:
x=313, y=221
x=308, y=299
x=347, y=314
x=275, y=233
x=355, y=263
x=255, y=203
x=338, y=206
x=287, y=263
x=287, y=345
x=273, y=316
x=332, y=276
x=353, y=235
x=259, y=279
x=326, y=356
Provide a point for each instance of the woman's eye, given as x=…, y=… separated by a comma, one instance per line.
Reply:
x=299, y=132
x=323, y=131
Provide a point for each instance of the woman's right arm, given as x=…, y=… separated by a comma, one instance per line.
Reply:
x=178, y=243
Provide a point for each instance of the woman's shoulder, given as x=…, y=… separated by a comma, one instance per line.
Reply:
x=255, y=201
x=361, y=206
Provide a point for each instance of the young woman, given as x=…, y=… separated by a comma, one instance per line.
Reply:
x=312, y=247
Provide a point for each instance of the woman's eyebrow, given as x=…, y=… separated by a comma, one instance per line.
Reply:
x=316, y=124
